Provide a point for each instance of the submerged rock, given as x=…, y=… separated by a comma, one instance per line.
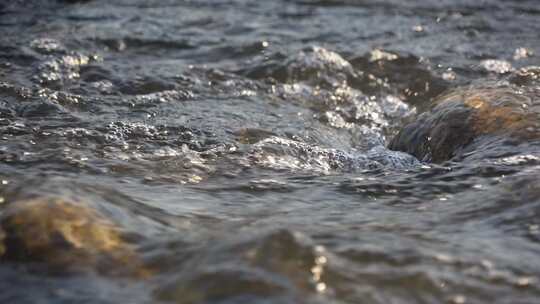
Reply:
x=284, y=265
x=65, y=236
x=469, y=119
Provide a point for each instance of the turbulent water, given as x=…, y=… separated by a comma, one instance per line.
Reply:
x=240, y=149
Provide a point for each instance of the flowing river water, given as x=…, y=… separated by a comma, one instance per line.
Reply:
x=286, y=151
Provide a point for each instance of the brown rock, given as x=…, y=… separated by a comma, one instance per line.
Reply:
x=65, y=236
x=470, y=114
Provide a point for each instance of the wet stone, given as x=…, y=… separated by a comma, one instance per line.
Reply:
x=471, y=118
x=282, y=265
x=65, y=236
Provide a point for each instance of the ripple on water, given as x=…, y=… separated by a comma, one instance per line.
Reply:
x=315, y=66
x=282, y=265
x=213, y=151
x=279, y=153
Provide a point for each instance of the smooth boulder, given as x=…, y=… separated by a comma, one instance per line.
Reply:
x=65, y=236
x=468, y=119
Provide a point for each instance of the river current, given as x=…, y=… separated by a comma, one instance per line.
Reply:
x=237, y=151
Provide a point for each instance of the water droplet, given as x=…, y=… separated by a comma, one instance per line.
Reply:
x=441, y=257
x=320, y=287
x=321, y=260
x=524, y=281
x=497, y=66
x=521, y=53
x=449, y=76
x=459, y=299
x=418, y=28
x=486, y=264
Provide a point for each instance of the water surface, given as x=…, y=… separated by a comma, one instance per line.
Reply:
x=241, y=146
